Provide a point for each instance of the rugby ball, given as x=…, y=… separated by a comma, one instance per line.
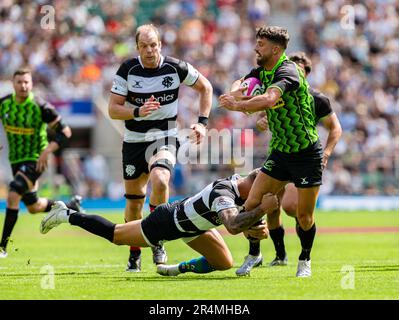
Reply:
x=253, y=87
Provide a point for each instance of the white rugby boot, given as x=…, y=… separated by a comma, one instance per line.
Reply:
x=304, y=269
x=58, y=214
x=250, y=262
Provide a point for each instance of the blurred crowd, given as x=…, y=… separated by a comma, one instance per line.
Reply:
x=354, y=46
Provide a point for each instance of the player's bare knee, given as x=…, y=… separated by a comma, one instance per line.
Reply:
x=226, y=264
x=305, y=221
x=290, y=209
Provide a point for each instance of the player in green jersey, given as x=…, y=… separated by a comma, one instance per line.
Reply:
x=288, y=196
x=295, y=150
x=25, y=119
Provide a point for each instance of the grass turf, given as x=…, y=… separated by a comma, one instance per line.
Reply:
x=88, y=267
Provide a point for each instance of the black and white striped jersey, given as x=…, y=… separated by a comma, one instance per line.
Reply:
x=200, y=212
x=137, y=84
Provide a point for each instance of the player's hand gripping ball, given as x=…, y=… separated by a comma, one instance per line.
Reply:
x=257, y=232
x=253, y=87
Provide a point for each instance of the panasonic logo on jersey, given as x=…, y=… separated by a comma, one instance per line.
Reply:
x=160, y=99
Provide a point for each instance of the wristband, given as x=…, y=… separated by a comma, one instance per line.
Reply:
x=136, y=112
x=203, y=120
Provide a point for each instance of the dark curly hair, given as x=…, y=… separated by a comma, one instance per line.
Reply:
x=274, y=34
x=300, y=57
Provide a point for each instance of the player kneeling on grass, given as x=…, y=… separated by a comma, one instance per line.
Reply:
x=193, y=219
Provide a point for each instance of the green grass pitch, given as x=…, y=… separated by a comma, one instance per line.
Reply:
x=360, y=263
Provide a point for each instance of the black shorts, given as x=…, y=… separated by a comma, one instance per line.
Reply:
x=160, y=225
x=303, y=168
x=135, y=156
x=28, y=168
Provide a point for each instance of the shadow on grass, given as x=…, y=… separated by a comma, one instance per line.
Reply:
x=159, y=278
x=32, y=275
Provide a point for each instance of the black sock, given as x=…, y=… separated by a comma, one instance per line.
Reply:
x=306, y=238
x=94, y=224
x=135, y=252
x=9, y=222
x=49, y=204
x=277, y=236
x=254, y=247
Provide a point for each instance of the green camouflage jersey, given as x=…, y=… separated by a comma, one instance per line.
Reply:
x=291, y=120
x=25, y=125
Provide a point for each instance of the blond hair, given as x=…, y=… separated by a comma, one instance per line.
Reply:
x=146, y=27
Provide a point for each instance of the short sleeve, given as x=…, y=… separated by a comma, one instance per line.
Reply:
x=192, y=75
x=286, y=78
x=119, y=85
x=49, y=113
x=222, y=202
x=322, y=104
x=186, y=72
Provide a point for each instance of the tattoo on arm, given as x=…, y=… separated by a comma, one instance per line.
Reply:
x=236, y=222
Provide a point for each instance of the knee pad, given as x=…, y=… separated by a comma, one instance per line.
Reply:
x=162, y=163
x=134, y=196
x=19, y=185
x=30, y=198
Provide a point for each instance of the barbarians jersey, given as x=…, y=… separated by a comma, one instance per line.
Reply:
x=291, y=120
x=200, y=212
x=25, y=125
x=322, y=106
x=138, y=84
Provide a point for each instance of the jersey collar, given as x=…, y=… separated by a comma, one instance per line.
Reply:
x=28, y=99
x=282, y=58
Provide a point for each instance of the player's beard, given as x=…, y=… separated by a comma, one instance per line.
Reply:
x=23, y=94
x=261, y=60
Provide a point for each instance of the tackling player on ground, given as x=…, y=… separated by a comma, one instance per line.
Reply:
x=194, y=220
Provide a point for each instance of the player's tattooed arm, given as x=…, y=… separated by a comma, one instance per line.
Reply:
x=236, y=222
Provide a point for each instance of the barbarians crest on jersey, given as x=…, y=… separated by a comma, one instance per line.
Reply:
x=167, y=82
x=222, y=202
x=130, y=170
